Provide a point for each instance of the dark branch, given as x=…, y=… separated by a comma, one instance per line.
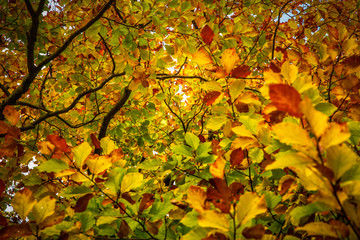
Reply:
x=165, y=76
x=110, y=115
x=111, y=56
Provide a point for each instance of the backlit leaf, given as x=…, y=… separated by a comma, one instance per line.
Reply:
x=229, y=58
x=207, y=34
x=23, y=202
x=59, y=143
x=98, y=164
x=249, y=207
x=317, y=120
x=202, y=57
x=236, y=88
x=107, y=145
x=290, y=133
x=211, y=97
x=44, y=208
x=325, y=229
x=218, y=167
x=340, y=159
x=81, y=152
x=213, y=219
x=334, y=134
x=241, y=71
x=192, y=140
x=286, y=99
x=131, y=181
x=289, y=72
x=11, y=114
x=196, y=198
x=53, y=165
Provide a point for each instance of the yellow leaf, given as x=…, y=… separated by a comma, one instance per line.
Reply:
x=325, y=229
x=196, y=197
x=23, y=202
x=284, y=160
x=249, y=206
x=340, y=159
x=215, y=123
x=289, y=72
x=202, y=57
x=317, y=120
x=235, y=89
x=242, y=131
x=242, y=142
x=81, y=152
x=272, y=77
x=213, y=219
x=334, y=134
x=228, y=59
x=43, y=209
x=131, y=181
x=107, y=145
x=45, y=147
x=290, y=133
x=98, y=164
x=212, y=86
x=217, y=168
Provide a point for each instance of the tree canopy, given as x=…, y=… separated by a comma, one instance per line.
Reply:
x=176, y=119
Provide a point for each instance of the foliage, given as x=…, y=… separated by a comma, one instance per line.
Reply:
x=175, y=119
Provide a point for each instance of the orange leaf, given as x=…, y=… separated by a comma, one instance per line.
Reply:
x=228, y=59
x=256, y=231
x=286, y=98
x=202, y=57
x=3, y=127
x=207, y=34
x=236, y=157
x=146, y=201
x=217, y=168
x=59, y=142
x=11, y=115
x=196, y=197
x=16, y=231
x=241, y=71
x=210, y=97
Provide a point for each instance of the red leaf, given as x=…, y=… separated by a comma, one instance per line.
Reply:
x=236, y=157
x=2, y=187
x=211, y=97
x=256, y=231
x=59, y=143
x=202, y=138
x=146, y=201
x=207, y=34
x=82, y=202
x=274, y=67
x=219, y=195
x=241, y=71
x=95, y=141
x=286, y=98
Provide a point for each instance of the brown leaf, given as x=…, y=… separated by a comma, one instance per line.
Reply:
x=241, y=71
x=207, y=34
x=333, y=32
x=95, y=141
x=15, y=231
x=325, y=171
x=256, y=231
x=236, y=157
x=285, y=185
x=286, y=98
x=146, y=201
x=82, y=202
x=210, y=97
x=153, y=227
x=242, y=107
x=11, y=114
x=3, y=127
x=216, y=236
x=8, y=147
x=3, y=221
x=53, y=220
x=59, y=143
x=219, y=194
x=128, y=198
x=353, y=61
x=124, y=229
x=281, y=209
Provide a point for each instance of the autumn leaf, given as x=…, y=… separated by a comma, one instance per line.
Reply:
x=23, y=202
x=317, y=120
x=211, y=97
x=43, y=209
x=81, y=152
x=82, y=202
x=213, y=219
x=196, y=198
x=131, y=181
x=236, y=157
x=286, y=98
x=334, y=134
x=256, y=231
x=236, y=88
x=95, y=141
x=59, y=143
x=217, y=168
x=229, y=58
x=202, y=57
x=241, y=71
x=291, y=133
x=207, y=34
x=289, y=72
x=249, y=207
x=11, y=114
x=98, y=164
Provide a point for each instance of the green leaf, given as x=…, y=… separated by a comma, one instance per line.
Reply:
x=131, y=181
x=256, y=155
x=340, y=159
x=114, y=179
x=87, y=220
x=302, y=211
x=272, y=200
x=185, y=6
x=151, y=164
x=326, y=108
x=81, y=152
x=182, y=149
x=53, y=165
x=236, y=88
x=192, y=140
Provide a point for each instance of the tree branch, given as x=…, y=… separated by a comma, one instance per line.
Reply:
x=72, y=105
x=110, y=115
